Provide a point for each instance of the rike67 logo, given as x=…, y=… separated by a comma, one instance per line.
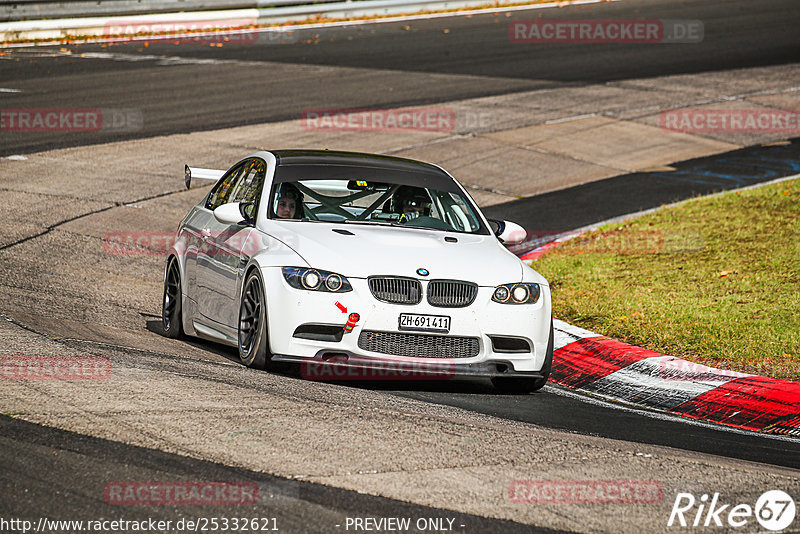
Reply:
x=774, y=510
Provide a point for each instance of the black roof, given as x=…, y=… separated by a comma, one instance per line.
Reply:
x=352, y=159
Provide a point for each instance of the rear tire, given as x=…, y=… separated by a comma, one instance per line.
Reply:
x=171, y=320
x=253, y=340
x=521, y=386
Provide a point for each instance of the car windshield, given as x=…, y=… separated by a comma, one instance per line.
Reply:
x=362, y=200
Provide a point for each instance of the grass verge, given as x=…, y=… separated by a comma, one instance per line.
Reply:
x=714, y=280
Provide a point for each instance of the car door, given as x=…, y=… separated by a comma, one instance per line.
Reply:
x=207, y=288
x=191, y=235
x=228, y=247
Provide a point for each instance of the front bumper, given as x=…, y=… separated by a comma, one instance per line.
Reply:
x=289, y=308
x=328, y=365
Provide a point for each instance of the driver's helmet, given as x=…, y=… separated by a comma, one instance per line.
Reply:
x=411, y=201
x=291, y=191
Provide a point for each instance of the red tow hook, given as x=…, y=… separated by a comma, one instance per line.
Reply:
x=352, y=319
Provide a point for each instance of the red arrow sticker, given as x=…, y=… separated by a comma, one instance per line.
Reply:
x=341, y=307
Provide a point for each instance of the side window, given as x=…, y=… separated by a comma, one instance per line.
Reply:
x=457, y=213
x=222, y=191
x=248, y=187
x=466, y=220
x=287, y=202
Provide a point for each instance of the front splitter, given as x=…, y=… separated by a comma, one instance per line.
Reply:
x=344, y=365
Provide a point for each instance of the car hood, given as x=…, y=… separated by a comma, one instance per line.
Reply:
x=359, y=251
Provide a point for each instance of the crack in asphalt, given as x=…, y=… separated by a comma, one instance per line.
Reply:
x=123, y=348
x=52, y=227
x=46, y=194
x=248, y=373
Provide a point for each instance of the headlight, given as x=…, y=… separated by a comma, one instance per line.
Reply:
x=316, y=280
x=334, y=282
x=310, y=280
x=516, y=293
x=519, y=294
x=501, y=294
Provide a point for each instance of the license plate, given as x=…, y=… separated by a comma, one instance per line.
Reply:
x=429, y=323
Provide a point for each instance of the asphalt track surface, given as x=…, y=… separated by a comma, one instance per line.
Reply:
x=552, y=408
x=393, y=65
x=423, y=65
x=40, y=466
x=601, y=200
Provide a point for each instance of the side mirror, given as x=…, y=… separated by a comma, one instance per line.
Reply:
x=233, y=213
x=509, y=233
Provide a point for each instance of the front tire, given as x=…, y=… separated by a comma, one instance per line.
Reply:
x=521, y=386
x=171, y=320
x=253, y=341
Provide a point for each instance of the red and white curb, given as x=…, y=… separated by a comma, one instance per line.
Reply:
x=540, y=251
x=595, y=364
x=616, y=371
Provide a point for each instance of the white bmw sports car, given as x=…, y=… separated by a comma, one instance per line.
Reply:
x=315, y=256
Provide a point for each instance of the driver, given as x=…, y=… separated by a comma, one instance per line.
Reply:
x=290, y=202
x=411, y=202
